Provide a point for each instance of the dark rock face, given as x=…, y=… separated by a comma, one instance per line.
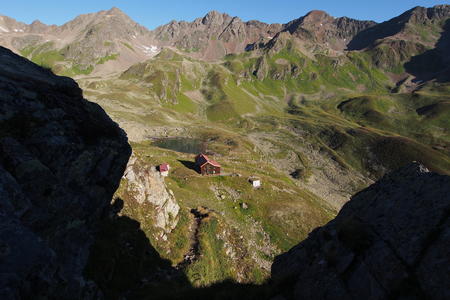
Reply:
x=391, y=241
x=61, y=159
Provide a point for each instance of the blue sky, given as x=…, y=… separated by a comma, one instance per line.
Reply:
x=152, y=13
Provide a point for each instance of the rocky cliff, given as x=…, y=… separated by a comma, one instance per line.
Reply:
x=61, y=159
x=390, y=241
x=145, y=184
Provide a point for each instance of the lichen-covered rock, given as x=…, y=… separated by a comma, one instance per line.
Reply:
x=61, y=159
x=391, y=241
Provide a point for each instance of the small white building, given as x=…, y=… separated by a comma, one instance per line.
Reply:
x=256, y=182
x=164, y=169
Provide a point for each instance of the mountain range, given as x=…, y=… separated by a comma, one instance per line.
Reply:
x=119, y=42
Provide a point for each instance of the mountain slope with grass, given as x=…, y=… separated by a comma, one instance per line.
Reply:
x=315, y=123
x=103, y=42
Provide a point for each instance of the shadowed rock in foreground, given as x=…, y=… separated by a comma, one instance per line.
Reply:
x=391, y=241
x=61, y=159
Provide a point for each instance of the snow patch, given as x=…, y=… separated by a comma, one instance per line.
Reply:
x=149, y=50
x=18, y=30
x=3, y=29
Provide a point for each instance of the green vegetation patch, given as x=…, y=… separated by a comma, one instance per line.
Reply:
x=104, y=59
x=183, y=105
x=128, y=46
x=47, y=59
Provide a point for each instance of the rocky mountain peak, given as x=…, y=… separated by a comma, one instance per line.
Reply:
x=319, y=27
x=421, y=14
x=214, y=35
x=316, y=16
x=115, y=11
x=38, y=27
x=402, y=27
x=214, y=18
x=37, y=23
x=112, y=15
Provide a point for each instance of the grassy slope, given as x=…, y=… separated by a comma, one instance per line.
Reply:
x=344, y=112
x=47, y=56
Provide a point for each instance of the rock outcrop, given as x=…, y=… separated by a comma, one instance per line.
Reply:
x=61, y=160
x=145, y=184
x=390, y=241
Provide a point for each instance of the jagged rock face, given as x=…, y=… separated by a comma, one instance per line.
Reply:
x=214, y=35
x=390, y=241
x=61, y=159
x=145, y=184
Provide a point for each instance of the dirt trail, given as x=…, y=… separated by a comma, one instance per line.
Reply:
x=194, y=252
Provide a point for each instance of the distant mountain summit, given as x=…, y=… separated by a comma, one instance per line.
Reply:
x=214, y=35
x=406, y=27
x=319, y=27
x=85, y=43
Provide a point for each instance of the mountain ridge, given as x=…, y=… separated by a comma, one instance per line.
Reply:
x=119, y=42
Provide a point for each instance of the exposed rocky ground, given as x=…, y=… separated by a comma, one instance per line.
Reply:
x=61, y=160
x=390, y=241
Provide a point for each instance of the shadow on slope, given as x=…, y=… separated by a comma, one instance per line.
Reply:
x=390, y=241
x=351, y=257
x=124, y=264
x=189, y=164
x=367, y=37
x=434, y=63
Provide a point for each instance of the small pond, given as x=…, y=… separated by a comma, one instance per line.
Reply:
x=185, y=145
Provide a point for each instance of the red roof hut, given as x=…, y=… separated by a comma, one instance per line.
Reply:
x=164, y=169
x=207, y=166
